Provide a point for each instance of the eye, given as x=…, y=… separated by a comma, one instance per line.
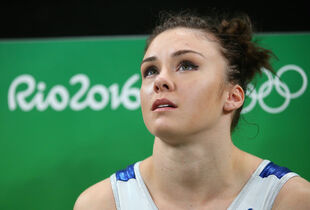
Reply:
x=149, y=71
x=187, y=66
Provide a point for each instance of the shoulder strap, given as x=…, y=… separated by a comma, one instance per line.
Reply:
x=115, y=192
x=127, y=190
x=282, y=175
x=263, y=187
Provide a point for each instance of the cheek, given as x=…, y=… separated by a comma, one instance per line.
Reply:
x=147, y=88
x=203, y=102
x=145, y=96
x=201, y=98
x=146, y=93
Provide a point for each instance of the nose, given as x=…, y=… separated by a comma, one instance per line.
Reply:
x=163, y=83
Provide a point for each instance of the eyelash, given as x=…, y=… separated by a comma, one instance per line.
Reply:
x=183, y=64
x=148, y=70
x=187, y=64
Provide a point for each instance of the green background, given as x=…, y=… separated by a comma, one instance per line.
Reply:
x=49, y=157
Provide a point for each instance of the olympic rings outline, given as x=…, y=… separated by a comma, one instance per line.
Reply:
x=280, y=87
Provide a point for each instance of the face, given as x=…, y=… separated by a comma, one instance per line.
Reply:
x=183, y=82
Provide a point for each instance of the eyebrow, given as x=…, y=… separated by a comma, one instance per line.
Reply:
x=175, y=54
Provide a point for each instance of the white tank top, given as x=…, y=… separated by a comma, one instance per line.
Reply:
x=259, y=193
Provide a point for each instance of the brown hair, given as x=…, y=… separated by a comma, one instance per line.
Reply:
x=234, y=34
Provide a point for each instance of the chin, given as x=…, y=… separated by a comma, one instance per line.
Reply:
x=170, y=134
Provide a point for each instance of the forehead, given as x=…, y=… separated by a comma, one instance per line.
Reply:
x=183, y=38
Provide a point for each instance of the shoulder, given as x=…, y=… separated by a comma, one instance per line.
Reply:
x=99, y=196
x=295, y=194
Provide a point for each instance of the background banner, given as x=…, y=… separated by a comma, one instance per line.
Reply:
x=70, y=114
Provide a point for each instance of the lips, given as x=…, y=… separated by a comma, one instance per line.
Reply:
x=163, y=104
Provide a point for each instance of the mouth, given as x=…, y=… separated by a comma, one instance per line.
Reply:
x=163, y=105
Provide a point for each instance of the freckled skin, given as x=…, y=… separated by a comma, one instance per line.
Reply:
x=198, y=93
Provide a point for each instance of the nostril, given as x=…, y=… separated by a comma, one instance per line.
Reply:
x=161, y=85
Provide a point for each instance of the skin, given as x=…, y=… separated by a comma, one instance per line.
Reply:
x=193, y=147
x=194, y=164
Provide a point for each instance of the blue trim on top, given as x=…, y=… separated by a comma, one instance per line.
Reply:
x=126, y=174
x=273, y=169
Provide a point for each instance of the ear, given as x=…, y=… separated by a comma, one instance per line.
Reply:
x=235, y=98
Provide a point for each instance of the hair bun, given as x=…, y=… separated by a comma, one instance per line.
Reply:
x=245, y=56
x=241, y=28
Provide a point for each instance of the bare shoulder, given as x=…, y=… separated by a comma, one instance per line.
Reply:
x=295, y=194
x=99, y=196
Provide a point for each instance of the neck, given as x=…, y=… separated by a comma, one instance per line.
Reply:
x=210, y=160
x=205, y=166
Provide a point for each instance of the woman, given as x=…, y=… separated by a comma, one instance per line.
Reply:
x=194, y=76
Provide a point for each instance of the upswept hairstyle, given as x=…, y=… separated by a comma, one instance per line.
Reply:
x=235, y=36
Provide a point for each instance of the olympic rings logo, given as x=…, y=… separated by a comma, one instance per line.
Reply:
x=282, y=88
